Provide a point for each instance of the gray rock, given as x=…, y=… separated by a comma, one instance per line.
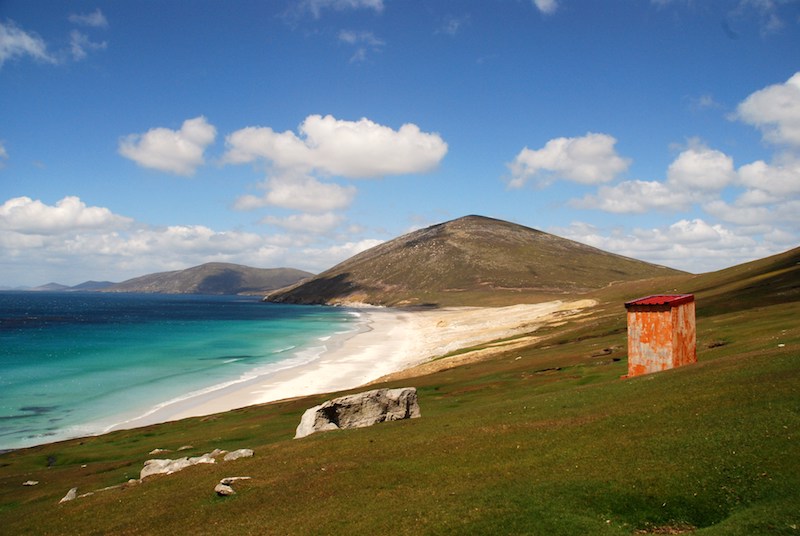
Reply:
x=359, y=410
x=223, y=490
x=236, y=454
x=70, y=496
x=30, y=483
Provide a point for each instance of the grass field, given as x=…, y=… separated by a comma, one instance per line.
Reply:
x=543, y=440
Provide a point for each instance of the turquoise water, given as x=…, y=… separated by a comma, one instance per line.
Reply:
x=75, y=364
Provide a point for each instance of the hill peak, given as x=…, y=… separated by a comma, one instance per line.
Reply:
x=469, y=261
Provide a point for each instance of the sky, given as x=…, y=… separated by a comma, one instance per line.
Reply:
x=146, y=136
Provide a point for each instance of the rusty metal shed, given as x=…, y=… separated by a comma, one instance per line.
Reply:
x=661, y=333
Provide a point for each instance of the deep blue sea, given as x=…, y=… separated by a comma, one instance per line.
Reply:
x=75, y=364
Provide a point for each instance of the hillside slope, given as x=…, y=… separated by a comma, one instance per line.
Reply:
x=213, y=278
x=469, y=261
x=544, y=439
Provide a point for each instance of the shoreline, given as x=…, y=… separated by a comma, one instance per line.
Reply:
x=388, y=344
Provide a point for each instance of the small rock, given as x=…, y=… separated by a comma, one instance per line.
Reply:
x=158, y=451
x=224, y=490
x=228, y=480
x=70, y=496
x=30, y=482
x=185, y=447
x=218, y=452
x=236, y=454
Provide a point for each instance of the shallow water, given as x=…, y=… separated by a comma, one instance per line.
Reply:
x=74, y=364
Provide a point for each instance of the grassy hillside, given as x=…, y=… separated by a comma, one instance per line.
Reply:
x=471, y=260
x=213, y=278
x=543, y=440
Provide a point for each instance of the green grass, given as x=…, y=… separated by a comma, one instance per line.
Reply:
x=546, y=439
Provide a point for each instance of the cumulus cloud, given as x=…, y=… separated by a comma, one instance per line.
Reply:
x=688, y=244
x=71, y=242
x=17, y=43
x=352, y=149
x=701, y=168
x=636, y=197
x=306, y=223
x=303, y=193
x=590, y=159
x=778, y=180
x=325, y=147
x=696, y=175
x=332, y=255
x=173, y=151
x=775, y=110
x=27, y=216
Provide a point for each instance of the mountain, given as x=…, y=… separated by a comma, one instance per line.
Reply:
x=473, y=260
x=50, y=287
x=213, y=278
x=89, y=286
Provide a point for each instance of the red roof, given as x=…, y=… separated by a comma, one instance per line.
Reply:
x=672, y=300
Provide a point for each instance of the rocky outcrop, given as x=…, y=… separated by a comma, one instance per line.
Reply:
x=167, y=466
x=359, y=410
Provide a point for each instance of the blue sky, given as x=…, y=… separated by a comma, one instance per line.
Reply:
x=146, y=136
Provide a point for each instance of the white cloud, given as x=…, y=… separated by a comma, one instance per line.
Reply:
x=80, y=43
x=775, y=110
x=3, y=155
x=778, y=180
x=179, y=152
x=16, y=43
x=636, y=197
x=330, y=256
x=698, y=174
x=548, y=7
x=27, y=216
x=590, y=159
x=701, y=168
x=95, y=19
x=306, y=223
x=692, y=245
x=70, y=242
x=303, y=193
x=315, y=7
x=352, y=149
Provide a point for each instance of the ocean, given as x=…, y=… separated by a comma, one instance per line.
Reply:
x=77, y=364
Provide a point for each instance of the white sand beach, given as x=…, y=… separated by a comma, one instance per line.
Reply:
x=392, y=344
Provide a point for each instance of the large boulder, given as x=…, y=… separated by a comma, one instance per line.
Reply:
x=359, y=410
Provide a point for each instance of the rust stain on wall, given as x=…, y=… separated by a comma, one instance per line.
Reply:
x=661, y=333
